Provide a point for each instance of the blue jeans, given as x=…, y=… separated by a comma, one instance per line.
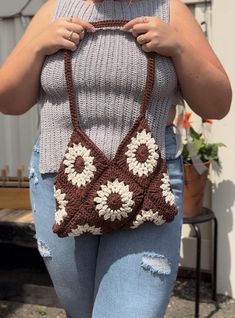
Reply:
x=123, y=274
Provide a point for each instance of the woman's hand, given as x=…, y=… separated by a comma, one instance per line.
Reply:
x=202, y=78
x=154, y=35
x=20, y=73
x=63, y=33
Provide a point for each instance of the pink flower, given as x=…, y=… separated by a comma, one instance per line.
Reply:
x=185, y=122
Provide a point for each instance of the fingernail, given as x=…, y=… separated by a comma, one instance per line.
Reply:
x=124, y=29
x=93, y=29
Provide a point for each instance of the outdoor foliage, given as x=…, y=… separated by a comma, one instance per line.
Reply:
x=196, y=141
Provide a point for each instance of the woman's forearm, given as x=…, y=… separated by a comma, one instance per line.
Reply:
x=20, y=80
x=20, y=74
x=204, y=86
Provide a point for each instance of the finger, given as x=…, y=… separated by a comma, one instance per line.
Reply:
x=69, y=19
x=143, y=39
x=140, y=28
x=69, y=45
x=147, y=47
x=72, y=36
x=129, y=25
x=85, y=24
x=82, y=34
x=75, y=27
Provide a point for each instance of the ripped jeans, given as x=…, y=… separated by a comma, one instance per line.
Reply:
x=123, y=274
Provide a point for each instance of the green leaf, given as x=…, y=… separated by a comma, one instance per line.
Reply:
x=194, y=134
x=220, y=144
x=198, y=143
x=198, y=146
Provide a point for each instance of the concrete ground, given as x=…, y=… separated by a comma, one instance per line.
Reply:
x=26, y=291
x=181, y=305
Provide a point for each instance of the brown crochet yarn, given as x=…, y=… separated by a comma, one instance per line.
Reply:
x=97, y=195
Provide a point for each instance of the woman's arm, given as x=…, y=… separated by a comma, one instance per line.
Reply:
x=204, y=83
x=20, y=74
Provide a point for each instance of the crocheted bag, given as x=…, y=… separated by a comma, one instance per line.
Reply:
x=97, y=195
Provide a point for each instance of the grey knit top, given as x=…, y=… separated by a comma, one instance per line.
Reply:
x=109, y=73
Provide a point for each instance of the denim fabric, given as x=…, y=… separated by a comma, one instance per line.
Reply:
x=124, y=274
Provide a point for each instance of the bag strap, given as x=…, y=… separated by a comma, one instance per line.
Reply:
x=69, y=80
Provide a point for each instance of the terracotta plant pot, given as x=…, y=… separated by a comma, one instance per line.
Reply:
x=194, y=188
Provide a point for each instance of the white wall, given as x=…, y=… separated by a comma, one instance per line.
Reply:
x=223, y=196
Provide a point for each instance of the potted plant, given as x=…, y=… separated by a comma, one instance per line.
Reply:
x=198, y=155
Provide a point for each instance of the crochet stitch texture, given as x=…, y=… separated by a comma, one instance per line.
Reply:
x=109, y=71
x=97, y=195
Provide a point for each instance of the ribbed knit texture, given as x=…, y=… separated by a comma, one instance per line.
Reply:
x=109, y=72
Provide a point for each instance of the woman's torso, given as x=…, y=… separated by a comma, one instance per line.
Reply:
x=109, y=72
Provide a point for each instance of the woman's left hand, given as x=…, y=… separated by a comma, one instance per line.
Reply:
x=154, y=35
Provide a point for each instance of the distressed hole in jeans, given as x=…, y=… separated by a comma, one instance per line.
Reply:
x=43, y=249
x=33, y=175
x=156, y=264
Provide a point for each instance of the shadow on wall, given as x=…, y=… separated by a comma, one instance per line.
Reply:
x=188, y=240
x=223, y=199
x=220, y=197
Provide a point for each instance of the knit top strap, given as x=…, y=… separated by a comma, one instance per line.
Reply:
x=69, y=80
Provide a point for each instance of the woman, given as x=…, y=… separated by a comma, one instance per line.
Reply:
x=127, y=273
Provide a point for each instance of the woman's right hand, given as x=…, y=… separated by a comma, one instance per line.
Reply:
x=62, y=33
x=20, y=72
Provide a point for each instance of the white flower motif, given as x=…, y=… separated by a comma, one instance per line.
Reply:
x=147, y=216
x=148, y=152
x=114, y=200
x=81, y=153
x=166, y=189
x=61, y=213
x=80, y=229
